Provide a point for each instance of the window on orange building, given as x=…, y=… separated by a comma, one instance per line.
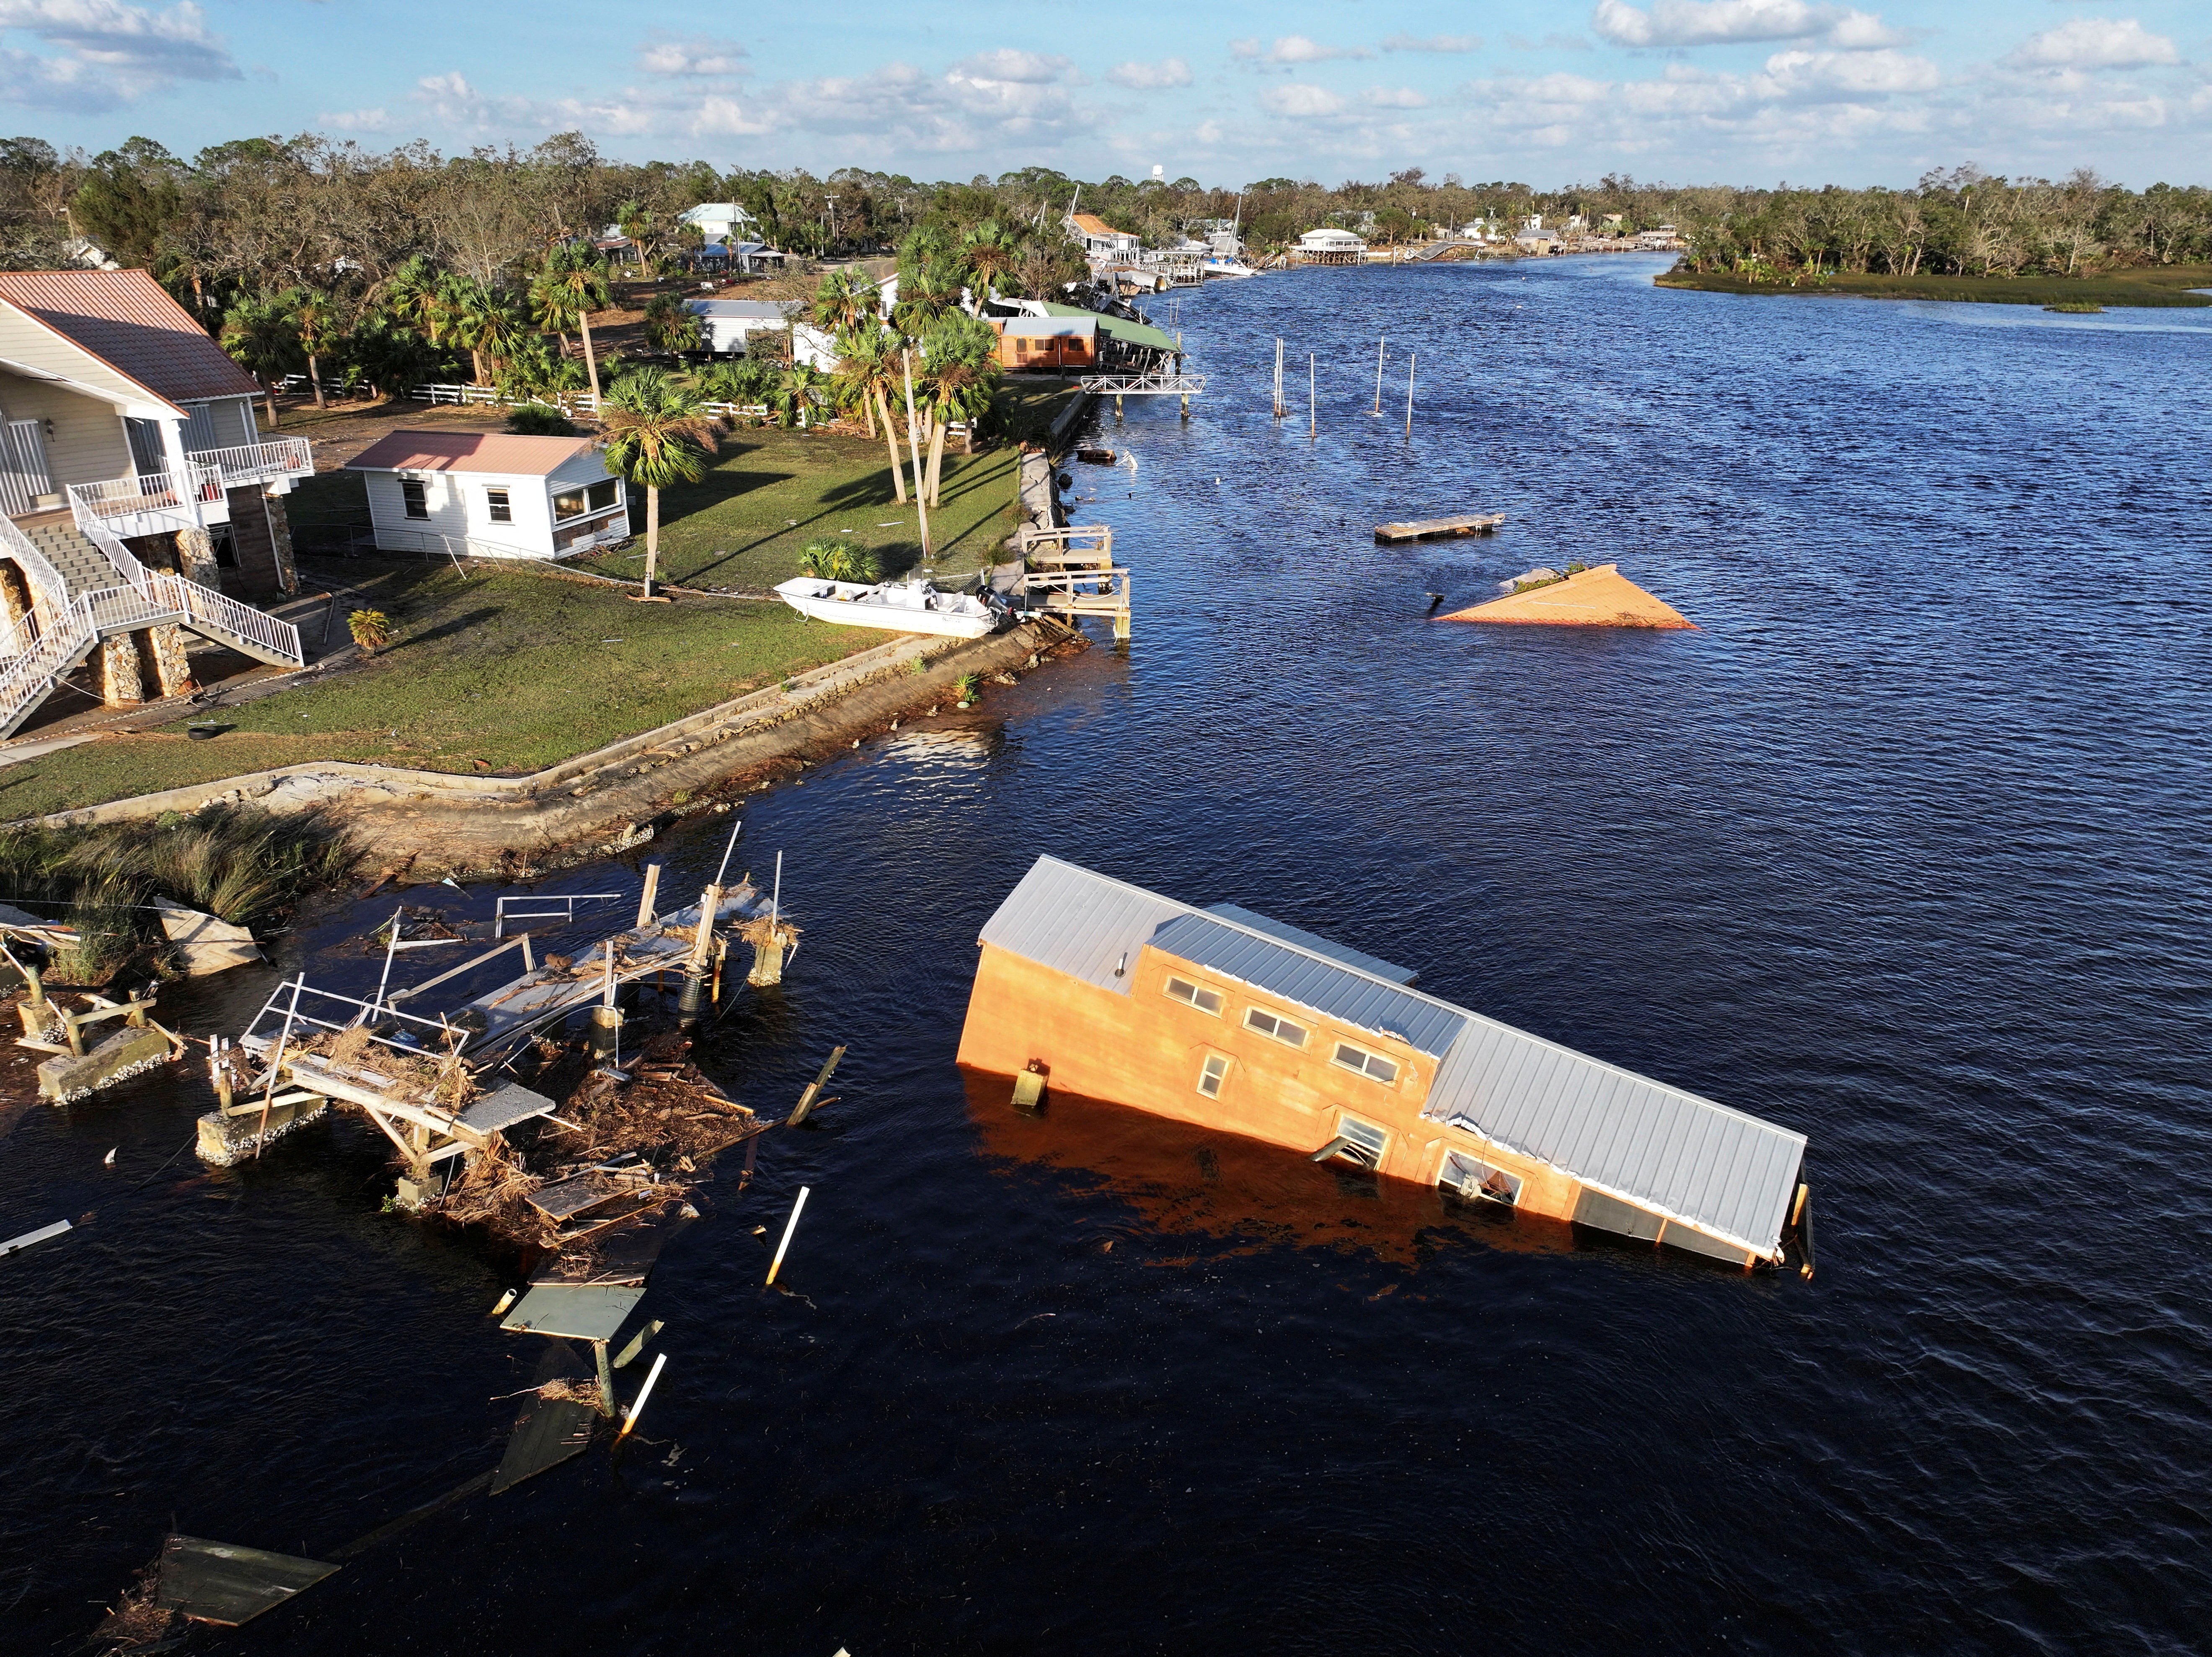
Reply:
x=1274, y=1024
x=1371, y=1065
x=1212, y=1074
x=1196, y=995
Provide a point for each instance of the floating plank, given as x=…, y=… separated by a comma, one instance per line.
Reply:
x=208, y=945
x=38, y=1236
x=578, y=1196
x=626, y=1257
x=548, y=1431
x=581, y=1314
x=222, y=1582
x=503, y=1109
x=1431, y=529
x=1601, y=596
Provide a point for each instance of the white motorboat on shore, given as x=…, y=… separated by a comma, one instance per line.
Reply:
x=900, y=606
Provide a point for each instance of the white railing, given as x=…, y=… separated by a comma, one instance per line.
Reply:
x=569, y=402
x=1143, y=385
x=256, y=463
x=168, y=598
x=151, y=502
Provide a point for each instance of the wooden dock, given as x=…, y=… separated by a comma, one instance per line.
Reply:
x=1437, y=529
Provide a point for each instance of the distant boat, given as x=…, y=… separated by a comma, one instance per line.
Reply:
x=1222, y=266
x=900, y=606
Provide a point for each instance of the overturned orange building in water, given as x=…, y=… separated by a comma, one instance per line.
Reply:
x=1226, y=1018
x=1601, y=596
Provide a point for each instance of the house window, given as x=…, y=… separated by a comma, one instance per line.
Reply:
x=1196, y=995
x=569, y=503
x=412, y=492
x=1212, y=1074
x=498, y=506
x=603, y=494
x=1478, y=1181
x=1371, y=1065
x=1274, y=1024
x=147, y=455
x=1356, y=1142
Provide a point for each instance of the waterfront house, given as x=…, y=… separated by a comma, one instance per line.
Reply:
x=1100, y=241
x=139, y=497
x=491, y=494
x=1049, y=344
x=723, y=221
x=1331, y=246
x=1229, y=1019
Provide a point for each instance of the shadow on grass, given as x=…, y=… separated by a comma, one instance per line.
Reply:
x=444, y=630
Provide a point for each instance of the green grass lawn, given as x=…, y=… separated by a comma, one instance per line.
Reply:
x=510, y=666
x=2166, y=285
x=771, y=491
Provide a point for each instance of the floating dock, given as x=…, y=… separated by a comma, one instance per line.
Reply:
x=1438, y=529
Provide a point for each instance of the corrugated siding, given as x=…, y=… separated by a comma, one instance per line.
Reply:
x=1659, y=1147
x=1077, y=922
x=1351, y=997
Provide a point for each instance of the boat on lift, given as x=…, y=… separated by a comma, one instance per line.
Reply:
x=914, y=606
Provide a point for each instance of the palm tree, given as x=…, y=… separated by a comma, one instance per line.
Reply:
x=867, y=361
x=412, y=294
x=670, y=325
x=642, y=226
x=262, y=336
x=798, y=392
x=961, y=374
x=658, y=434
x=990, y=253
x=846, y=299
x=573, y=285
x=320, y=334
x=389, y=356
x=932, y=291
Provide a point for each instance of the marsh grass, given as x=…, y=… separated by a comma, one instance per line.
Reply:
x=240, y=864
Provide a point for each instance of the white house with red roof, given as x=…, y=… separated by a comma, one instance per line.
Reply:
x=138, y=501
x=491, y=494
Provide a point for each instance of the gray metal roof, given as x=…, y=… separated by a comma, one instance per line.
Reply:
x=1329, y=988
x=1078, y=922
x=1313, y=941
x=1657, y=1146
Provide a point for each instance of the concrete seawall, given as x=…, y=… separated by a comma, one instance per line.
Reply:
x=425, y=824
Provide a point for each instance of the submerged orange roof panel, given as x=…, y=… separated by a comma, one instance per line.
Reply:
x=1603, y=597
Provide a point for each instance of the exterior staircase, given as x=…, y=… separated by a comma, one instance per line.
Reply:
x=86, y=587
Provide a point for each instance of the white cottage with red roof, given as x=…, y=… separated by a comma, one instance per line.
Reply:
x=491, y=494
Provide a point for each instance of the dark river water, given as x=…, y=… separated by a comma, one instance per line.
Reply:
x=1905, y=848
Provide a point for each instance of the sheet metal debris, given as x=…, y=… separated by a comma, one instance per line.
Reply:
x=222, y=1582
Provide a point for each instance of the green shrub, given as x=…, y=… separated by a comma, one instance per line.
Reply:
x=829, y=558
x=539, y=420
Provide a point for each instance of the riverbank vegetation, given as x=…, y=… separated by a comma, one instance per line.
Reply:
x=2168, y=285
x=240, y=864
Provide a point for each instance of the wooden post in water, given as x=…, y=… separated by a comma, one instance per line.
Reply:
x=646, y=913
x=1410, y=359
x=1279, y=410
x=1313, y=409
x=1378, y=374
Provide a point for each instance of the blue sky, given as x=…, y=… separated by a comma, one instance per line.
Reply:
x=1688, y=91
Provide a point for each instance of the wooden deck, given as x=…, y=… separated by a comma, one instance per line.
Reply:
x=1436, y=529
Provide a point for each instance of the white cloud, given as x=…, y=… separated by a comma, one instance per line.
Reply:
x=102, y=53
x=1395, y=98
x=1150, y=77
x=1300, y=99
x=356, y=121
x=690, y=55
x=1244, y=48
x=2095, y=43
x=1297, y=49
x=1007, y=64
x=1848, y=75
x=1434, y=43
x=1719, y=22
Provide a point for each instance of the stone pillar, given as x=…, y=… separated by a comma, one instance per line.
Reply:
x=14, y=595
x=119, y=683
x=196, y=558
x=165, y=660
x=280, y=536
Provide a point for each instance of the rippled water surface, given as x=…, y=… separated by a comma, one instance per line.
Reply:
x=1904, y=848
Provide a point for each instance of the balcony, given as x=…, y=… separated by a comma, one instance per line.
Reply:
x=277, y=460
x=152, y=503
